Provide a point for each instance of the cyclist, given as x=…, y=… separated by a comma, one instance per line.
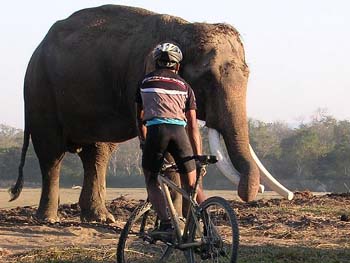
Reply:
x=165, y=106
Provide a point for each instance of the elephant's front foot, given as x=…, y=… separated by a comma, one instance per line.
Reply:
x=98, y=214
x=46, y=216
x=248, y=187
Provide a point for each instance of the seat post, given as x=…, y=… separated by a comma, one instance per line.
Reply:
x=172, y=211
x=196, y=185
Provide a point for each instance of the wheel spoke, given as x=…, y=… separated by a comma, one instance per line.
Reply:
x=219, y=233
x=136, y=245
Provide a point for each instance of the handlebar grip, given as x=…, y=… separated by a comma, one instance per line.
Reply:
x=206, y=159
x=203, y=159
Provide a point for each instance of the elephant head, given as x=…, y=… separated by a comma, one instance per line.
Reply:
x=216, y=69
x=214, y=64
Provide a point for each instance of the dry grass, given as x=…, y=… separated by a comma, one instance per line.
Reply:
x=248, y=254
x=65, y=255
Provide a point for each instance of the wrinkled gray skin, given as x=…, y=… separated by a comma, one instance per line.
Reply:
x=79, y=93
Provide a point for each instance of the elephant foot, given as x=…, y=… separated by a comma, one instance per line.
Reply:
x=248, y=191
x=99, y=214
x=45, y=217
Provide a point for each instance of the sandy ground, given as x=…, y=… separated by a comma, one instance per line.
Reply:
x=20, y=232
x=320, y=221
x=31, y=196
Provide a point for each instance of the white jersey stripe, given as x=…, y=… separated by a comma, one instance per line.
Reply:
x=164, y=91
x=159, y=78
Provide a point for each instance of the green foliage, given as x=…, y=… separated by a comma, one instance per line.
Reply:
x=302, y=150
x=336, y=162
x=266, y=139
x=10, y=137
x=314, y=155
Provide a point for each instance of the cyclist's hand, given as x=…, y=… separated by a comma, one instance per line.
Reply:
x=203, y=171
x=200, y=168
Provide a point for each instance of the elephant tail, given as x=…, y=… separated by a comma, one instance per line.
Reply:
x=16, y=190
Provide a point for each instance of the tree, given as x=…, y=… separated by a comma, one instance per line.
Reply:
x=10, y=137
x=336, y=163
x=301, y=151
x=266, y=137
x=316, y=153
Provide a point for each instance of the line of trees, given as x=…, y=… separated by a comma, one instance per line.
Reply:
x=314, y=155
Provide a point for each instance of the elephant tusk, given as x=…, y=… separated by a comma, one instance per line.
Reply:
x=269, y=180
x=224, y=165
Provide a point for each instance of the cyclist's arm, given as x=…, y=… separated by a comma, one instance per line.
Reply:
x=142, y=130
x=193, y=132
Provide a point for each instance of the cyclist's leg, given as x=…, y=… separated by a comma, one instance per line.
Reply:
x=152, y=159
x=155, y=195
x=188, y=180
x=175, y=177
x=181, y=149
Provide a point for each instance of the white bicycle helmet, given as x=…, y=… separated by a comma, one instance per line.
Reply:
x=167, y=54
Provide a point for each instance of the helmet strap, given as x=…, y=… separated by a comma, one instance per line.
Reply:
x=177, y=68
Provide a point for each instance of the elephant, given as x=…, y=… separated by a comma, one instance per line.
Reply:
x=79, y=94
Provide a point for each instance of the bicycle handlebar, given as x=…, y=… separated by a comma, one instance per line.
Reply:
x=206, y=159
x=203, y=159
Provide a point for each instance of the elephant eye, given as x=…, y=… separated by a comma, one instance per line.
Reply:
x=210, y=77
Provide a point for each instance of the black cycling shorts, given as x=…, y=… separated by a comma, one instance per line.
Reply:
x=162, y=138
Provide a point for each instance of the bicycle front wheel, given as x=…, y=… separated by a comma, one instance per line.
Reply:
x=136, y=245
x=218, y=231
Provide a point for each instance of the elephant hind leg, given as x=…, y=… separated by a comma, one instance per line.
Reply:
x=50, y=153
x=95, y=158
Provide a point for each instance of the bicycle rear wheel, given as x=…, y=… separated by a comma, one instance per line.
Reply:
x=218, y=230
x=136, y=245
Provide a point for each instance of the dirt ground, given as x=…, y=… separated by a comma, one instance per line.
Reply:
x=308, y=226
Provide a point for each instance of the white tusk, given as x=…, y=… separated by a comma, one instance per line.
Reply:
x=201, y=123
x=269, y=180
x=224, y=165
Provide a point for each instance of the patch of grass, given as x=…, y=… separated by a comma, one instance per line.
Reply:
x=66, y=255
x=279, y=254
x=316, y=210
x=323, y=210
x=247, y=254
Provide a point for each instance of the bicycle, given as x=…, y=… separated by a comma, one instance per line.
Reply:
x=210, y=232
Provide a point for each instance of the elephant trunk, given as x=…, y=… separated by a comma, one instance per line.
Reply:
x=237, y=145
x=233, y=127
x=241, y=168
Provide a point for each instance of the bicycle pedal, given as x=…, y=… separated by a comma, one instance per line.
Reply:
x=166, y=238
x=205, y=256
x=149, y=239
x=210, y=255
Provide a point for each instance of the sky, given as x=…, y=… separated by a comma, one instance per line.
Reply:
x=298, y=51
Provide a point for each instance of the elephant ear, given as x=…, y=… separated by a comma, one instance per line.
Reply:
x=149, y=64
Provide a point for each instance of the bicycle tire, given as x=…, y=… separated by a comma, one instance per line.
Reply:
x=134, y=247
x=219, y=232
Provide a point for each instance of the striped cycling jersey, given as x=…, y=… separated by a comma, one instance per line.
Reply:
x=164, y=94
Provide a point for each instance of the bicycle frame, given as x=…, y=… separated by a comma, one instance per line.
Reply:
x=165, y=183
x=201, y=238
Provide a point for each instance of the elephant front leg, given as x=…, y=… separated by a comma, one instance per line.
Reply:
x=92, y=199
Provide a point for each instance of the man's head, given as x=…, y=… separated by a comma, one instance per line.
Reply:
x=167, y=55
